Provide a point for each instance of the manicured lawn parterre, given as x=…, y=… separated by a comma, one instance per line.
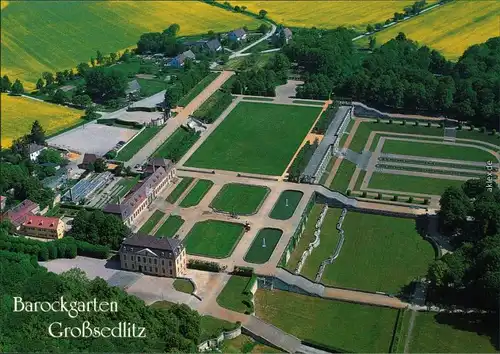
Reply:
x=341, y=325
x=197, y=193
x=170, y=226
x=213, y=238
x=259, y=254
x=241, y=199
x=151, y=222
x=232, y=297
x=181, y=187
x=248, y=139
x=137, y=143
x=411, y=184
x=177, y=144
x=454, y=333
x=440, y=151
x=306, y=238
x=183, y=285
x=329, y=239
x=195, y=91
x=343, y=176
x=286, y=205
x=374, y=247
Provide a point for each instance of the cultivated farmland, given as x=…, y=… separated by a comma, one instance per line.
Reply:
x=247, y=140
x=328, y=14
x=40, y=36
x=19, y=113
x=452, y=28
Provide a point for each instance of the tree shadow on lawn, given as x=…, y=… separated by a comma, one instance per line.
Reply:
x=482, y=324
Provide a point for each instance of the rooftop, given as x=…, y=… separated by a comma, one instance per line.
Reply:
x=149, y=241
x=34, y=148
x=42, y=222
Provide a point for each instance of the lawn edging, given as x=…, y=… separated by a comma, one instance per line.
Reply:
x=194, y=287
x=398, y=329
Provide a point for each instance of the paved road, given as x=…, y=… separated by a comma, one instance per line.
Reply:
x=240, y=52
x=178, y=120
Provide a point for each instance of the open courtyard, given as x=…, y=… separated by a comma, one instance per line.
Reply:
x=258, y=138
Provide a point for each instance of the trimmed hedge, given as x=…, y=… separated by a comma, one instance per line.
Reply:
x=397, y=332
x=250, y=285
x=66, y=247
x=243, y=271
x=203, y=265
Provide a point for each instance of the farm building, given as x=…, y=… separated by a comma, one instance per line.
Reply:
x=164, y=257
x=143, y=195
x=211, y=45
x=34, y=150
x=179, y=61
x=237, y=35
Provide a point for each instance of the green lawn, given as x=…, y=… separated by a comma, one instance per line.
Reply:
x=177, y=144
x=286, y=205
x=170, y=226
x=183, y=285
x=213, y=238
x=151, y=86
x=247, y=140
x=246, y=344
x=195, y=91
x=151, y=222
x=137, y=143
x=212, y=327
x=411, y=184
x=241, y=199
x=342, y=325
x=377, y=246
x=197, y=193
x=343, y=176
x=181, y=187
x=259, y=254
x=232, y=297
x=306, y=238
x=454, y=333
x=328, y=243
x=127, y=183
x=440, y=151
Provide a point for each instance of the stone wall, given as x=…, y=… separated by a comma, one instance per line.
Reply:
x=215, y=342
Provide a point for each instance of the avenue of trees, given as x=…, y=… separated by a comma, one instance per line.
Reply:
x=176, y=329
x=185, y=81
x=470, y=276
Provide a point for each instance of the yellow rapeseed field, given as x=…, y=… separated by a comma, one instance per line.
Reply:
x=452, y=28
x=38, y=36
x=19, y=113
x=328, y=14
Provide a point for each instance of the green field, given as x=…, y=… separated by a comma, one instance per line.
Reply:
x=342, y=325
x=176, y=145
x=374, y=247
x=170, y=226
x=196, y=90
x=213, y=238
x=343, y=176
x=40, y=36
x=151, y=86
x=232, y=297
x=183, y=285
x=411, y=184
x=137, y=143
x=241, y=199
x=286, y=205
x=306, y=238
x=259, y=254
x=149, y=225
x=181, y=187
x=197, y=193
x=439, y=151
x=454, y=333
x=247, y=140
x=329, y=239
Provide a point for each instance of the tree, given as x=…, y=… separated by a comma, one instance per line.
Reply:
x=370, y=28
x=125, y=56
x=60, y=78
x=17, y=88
x=373, y=42
x=99, y=229
x=39, y=84
x=455, y=207
x=99, y=57
x=48, y=77
x=118, y=170
x=100, y=165
x=172, y=30
x=37, y=134
x=90, y=112
x=262, y=13
x=113, y=56
x=82, y=101
x=103, y=85
x=263, y=28
x=59, y=97
x=92, y=61
x=6, y=85
x=172, y=96
x=82, y=69
x=51, y=156
x=237, y=8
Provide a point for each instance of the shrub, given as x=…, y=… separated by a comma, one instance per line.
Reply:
x=378, y=120
x=417, y=123
x=403, y=122
x=460, y=127
x=203, y=265
x=244, y=271
x=379, y=196
x=494, y=132
x=364, y=194
x=395, y=198
x=250, y=285
x=471, y=128
x=410, y=200
x=426, y=201
x=348, y=192
x=429, y=124
x=483, y=129
x=390, y=121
